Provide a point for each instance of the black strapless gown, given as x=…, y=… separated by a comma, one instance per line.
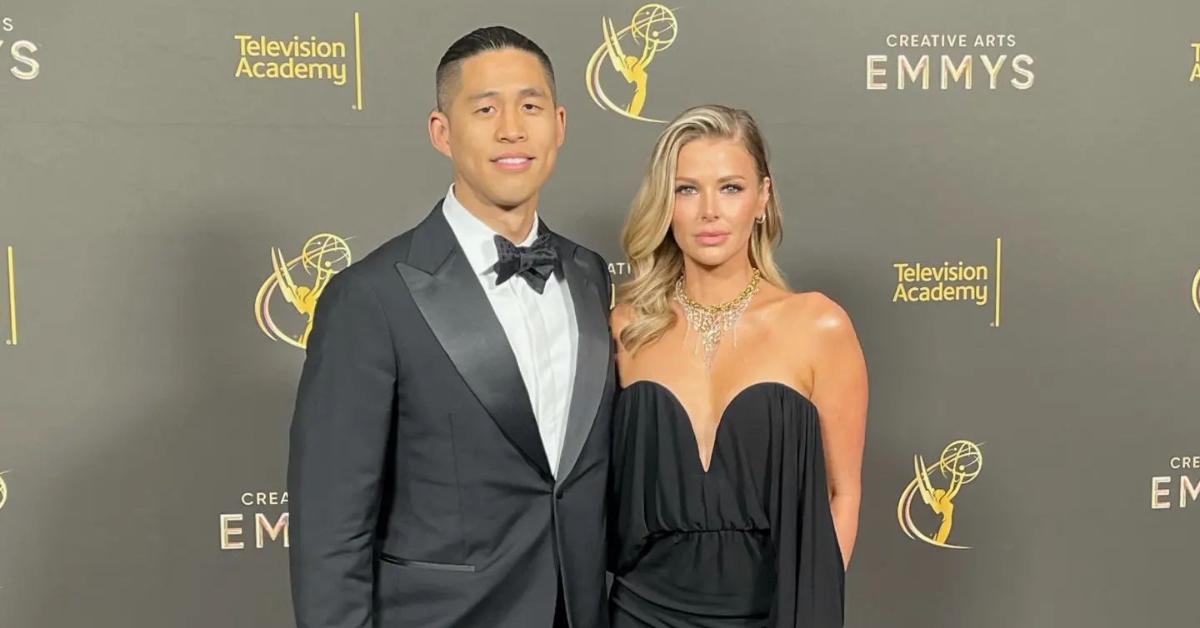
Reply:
x=750, y=542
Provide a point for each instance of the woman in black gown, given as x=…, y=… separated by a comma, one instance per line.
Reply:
x=738, y=432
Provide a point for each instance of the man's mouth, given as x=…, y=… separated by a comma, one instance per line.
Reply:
x=513, y=161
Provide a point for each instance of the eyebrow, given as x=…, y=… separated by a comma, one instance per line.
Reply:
x=524, y=93
x=724, y=179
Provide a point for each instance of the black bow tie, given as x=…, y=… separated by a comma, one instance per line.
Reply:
x=534, y=263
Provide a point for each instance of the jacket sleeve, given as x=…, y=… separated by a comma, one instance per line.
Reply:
x=339, y=440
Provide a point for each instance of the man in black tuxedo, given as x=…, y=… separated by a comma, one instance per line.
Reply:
x=449, y=450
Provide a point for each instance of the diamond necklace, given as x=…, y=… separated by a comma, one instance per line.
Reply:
x=710, y=321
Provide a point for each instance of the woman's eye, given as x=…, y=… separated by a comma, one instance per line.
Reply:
x=732, y=187
x=685, y=189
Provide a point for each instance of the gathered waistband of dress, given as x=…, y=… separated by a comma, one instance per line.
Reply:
x=646, y=604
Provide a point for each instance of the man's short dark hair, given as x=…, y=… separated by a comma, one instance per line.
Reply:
x=483, y=40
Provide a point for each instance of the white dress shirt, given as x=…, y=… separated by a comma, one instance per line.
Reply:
x=541, y=328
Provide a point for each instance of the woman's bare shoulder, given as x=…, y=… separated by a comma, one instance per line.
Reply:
x=815, y=314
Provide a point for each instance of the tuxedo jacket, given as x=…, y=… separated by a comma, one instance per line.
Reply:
x=419, y=488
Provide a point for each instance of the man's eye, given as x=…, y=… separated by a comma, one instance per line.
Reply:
x=485, y=109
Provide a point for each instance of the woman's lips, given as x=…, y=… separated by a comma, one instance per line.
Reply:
x=711, y=238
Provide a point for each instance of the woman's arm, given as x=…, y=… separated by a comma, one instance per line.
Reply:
x=840, y=394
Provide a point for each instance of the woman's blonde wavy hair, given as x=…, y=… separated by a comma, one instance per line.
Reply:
x=655, y=258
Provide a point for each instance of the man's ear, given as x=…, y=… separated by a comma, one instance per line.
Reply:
x=439, y=132
x=561, y=114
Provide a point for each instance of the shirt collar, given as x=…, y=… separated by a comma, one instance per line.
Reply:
x=475, y=237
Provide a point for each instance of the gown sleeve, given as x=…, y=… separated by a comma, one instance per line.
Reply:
x=810, y=582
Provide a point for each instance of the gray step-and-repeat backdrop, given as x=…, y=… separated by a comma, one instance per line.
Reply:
x=1001, y=194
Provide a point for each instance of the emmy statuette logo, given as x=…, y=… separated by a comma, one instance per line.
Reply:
x=1196, y=291
x=652, y=30
x=958, y=466
x=299, y=282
